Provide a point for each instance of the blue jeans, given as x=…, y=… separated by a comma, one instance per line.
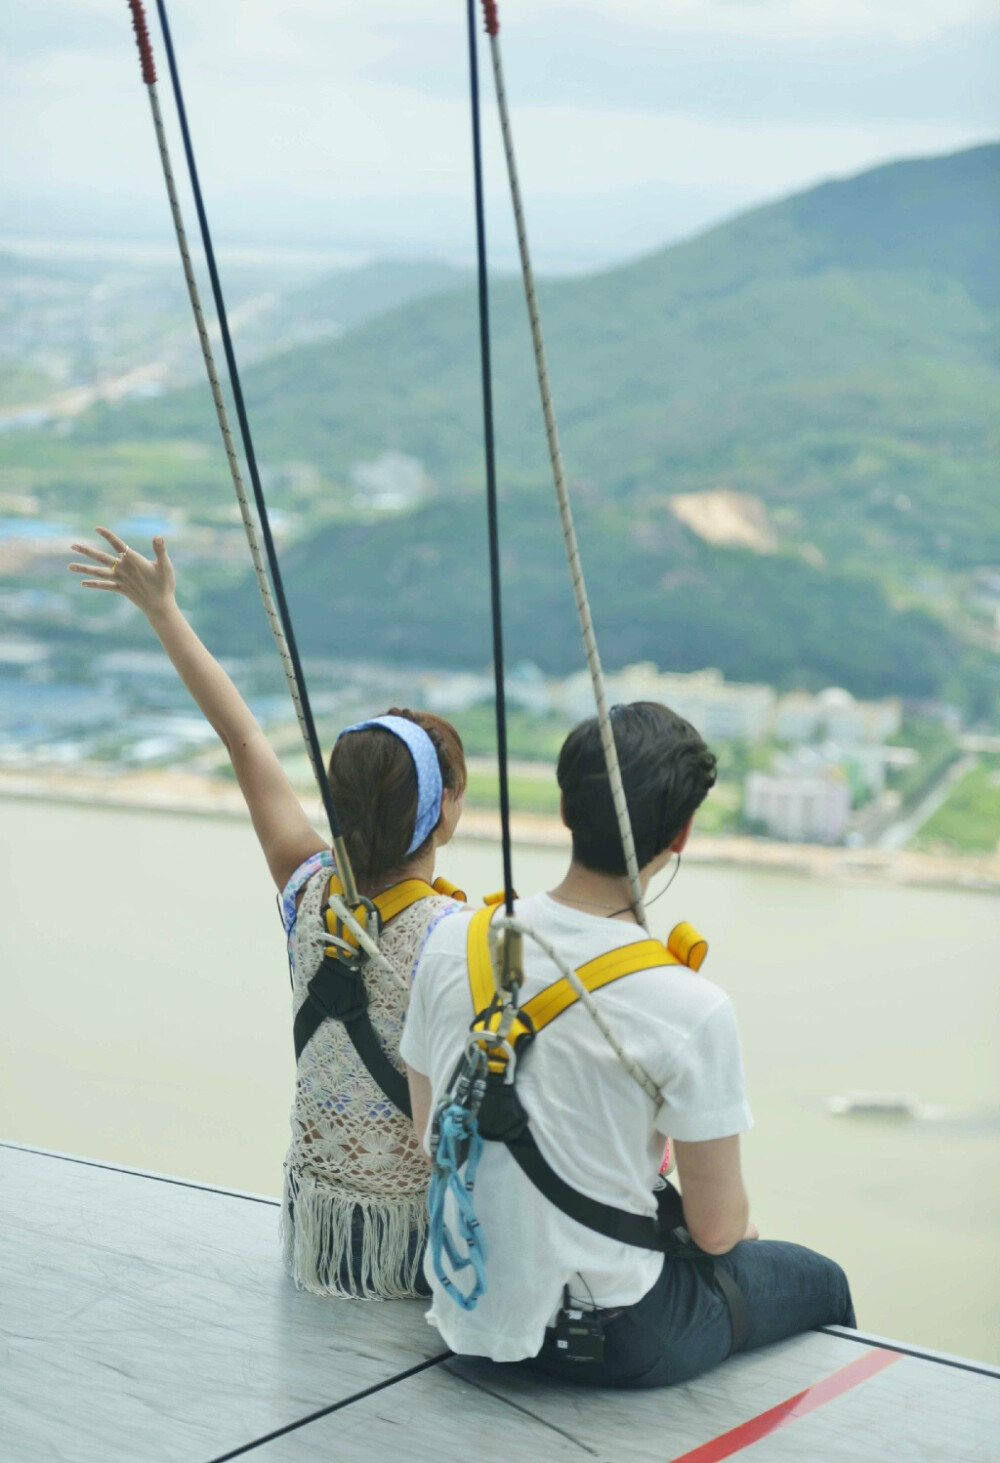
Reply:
x=681, y=1327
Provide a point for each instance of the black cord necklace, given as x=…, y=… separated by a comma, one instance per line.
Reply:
x=627, y=907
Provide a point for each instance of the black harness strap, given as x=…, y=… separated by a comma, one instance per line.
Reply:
x=739, y=1314
x=503, y=1119
x=337, y=993
x=640, y=1230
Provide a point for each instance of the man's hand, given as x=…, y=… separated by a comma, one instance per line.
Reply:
x=148, y=583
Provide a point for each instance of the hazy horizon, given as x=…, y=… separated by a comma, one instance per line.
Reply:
x=642, y=123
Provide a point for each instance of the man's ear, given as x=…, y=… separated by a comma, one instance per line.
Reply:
x=679, y=842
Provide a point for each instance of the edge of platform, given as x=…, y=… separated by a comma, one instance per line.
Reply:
x=140, y=1173
x=844, y=1333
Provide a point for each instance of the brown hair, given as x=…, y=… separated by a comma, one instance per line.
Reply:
x=667, y=771
x=374, y=785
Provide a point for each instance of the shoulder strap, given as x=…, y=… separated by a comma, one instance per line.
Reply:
x=480, y=959
x=640, y=1230
x=389, y=903
x=337, y=993
x=561, y=994
x=625, y=960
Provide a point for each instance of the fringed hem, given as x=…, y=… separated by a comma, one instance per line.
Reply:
x=356, y=1246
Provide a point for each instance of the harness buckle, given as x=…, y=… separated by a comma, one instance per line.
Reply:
x=347, y=951
x=499, y=1054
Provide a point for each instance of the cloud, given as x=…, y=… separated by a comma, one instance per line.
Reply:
x=330, y=111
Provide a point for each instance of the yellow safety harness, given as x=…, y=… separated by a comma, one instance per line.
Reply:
x=502, y=1035
x=387, y=905
x=484, y=1084
x=482, y=1104
x=685, y=946
x=337, y=991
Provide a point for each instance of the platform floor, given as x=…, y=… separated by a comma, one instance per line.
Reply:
x=146, y=1320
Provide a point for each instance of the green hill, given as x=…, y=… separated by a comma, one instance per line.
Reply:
x=832, y=355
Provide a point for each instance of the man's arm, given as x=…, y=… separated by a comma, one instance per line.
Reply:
x=716, y=1210
x=420, y=1104
x=283, y=830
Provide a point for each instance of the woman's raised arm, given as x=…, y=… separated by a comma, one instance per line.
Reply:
x=285, y=833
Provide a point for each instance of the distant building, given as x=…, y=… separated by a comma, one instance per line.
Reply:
x=835, y=715
x=448, y=694
x=800, y=807
x=526, y=687
x=721, y=710
x=390, y=483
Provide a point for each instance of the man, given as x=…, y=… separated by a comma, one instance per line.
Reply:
x=649, y=1319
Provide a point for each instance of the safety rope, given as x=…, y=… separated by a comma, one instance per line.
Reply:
x=456, y=1142
x=490, y=451
x=276, y=605
x=634, y=1068
x=363, y=938
x=246, y=512
x=559, y=478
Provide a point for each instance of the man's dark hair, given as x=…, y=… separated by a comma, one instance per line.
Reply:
x=667, y=770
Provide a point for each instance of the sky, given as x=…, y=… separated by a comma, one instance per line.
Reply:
x=343, y=125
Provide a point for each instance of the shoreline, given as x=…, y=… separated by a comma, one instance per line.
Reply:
x=190, y=794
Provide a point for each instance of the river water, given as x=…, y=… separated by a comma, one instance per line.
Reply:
x=144, y=1019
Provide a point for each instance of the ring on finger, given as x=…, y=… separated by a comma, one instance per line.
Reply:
x=119, y=558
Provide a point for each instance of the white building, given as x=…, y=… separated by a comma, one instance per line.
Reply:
x=719, y=710
x=525, y=685
x=802, y=808
x=390, y=483
x=835, y=715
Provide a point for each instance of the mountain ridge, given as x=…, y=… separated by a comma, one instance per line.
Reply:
x=832, y=354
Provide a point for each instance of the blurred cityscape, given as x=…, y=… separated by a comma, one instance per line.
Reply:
x=796, y=766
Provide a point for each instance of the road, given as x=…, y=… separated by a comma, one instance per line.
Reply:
x=899, y=833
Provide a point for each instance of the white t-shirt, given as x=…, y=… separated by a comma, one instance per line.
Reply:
x=593, y=1123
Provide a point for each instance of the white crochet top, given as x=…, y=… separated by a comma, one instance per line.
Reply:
x=354, y=1215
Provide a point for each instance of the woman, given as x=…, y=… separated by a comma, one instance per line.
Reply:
x=354, y=1211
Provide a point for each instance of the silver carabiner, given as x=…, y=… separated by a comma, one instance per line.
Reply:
x=482, y=1041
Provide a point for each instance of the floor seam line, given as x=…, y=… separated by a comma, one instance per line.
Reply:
x=525, y=1411
x=863, y=1339
x=135, y=1173
x=322, y=1412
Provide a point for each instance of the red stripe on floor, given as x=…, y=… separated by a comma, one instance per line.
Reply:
x=755, y=1428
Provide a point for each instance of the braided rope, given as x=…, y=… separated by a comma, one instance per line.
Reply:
x=246, y=511
x=562, y=496
x=634, y=1068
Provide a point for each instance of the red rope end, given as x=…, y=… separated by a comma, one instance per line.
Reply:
x=491, y=17
x=142, y=41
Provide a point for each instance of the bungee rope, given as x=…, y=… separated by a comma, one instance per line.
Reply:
x=489, y=446
x=559, y=478
x=246, y=512
x=455, y=1136
x=276, y=605
x=456, y=1139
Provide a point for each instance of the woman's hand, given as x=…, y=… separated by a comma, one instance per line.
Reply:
x=284, y=831
x=148, y=583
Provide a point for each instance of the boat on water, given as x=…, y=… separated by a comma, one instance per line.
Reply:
x=146, y=1320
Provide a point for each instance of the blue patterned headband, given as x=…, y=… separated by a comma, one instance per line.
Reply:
x=430, y=788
